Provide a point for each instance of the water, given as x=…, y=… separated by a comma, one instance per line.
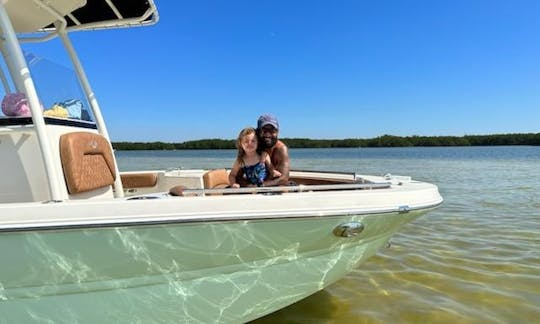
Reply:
x=474, y=259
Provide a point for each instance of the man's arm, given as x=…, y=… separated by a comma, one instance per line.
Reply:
x=283, y=168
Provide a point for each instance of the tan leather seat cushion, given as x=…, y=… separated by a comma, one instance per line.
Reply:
x=139, y=180
x=87, y=160
x=216, y=179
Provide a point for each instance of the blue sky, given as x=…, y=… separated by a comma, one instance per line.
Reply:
x=326, y=69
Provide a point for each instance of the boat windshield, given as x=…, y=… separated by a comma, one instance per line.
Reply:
x=58, y=89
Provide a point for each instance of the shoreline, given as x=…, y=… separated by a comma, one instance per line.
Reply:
x=531, y=139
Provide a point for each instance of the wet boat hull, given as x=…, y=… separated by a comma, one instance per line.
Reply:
x=231, y=271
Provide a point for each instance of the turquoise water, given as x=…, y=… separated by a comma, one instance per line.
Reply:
x=474, y=259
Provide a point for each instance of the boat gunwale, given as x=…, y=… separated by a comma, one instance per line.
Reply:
x=194, y=219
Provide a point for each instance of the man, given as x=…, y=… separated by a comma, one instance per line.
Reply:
x=267, y=131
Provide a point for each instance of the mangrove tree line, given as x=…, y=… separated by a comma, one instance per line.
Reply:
x=381, y=141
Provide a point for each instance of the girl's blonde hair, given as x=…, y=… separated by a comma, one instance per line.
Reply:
x=243, y=133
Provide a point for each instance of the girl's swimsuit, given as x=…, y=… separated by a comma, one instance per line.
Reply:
x=255, y=173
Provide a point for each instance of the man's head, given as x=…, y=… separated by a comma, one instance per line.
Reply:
x=267, y=129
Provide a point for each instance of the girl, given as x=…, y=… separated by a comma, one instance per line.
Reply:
x=255, y=165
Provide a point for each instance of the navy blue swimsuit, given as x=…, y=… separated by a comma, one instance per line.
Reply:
x=256, y=173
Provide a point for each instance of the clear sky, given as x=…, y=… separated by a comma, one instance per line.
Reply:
x=326, y=69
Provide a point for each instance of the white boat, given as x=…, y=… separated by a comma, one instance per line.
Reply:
x=82, y=242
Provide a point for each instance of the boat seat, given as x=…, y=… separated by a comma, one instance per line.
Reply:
x=213, y=179
x=139, y=180
x=216, y=179
x=87, y=161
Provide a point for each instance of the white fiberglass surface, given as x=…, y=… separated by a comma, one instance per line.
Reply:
x=229, y=271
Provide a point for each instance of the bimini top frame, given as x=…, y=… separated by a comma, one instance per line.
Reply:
x=32, y=16
x=41, y=20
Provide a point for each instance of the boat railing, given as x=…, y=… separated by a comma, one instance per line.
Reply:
x=285, y=189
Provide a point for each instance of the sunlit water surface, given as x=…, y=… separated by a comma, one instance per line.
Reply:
x=474, y=259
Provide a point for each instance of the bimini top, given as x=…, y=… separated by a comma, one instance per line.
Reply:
x=31, y=16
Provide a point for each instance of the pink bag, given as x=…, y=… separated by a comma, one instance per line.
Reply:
x=16, y=105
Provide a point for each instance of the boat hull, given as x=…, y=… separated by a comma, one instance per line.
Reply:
x=203, y=258
x=231, y=271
